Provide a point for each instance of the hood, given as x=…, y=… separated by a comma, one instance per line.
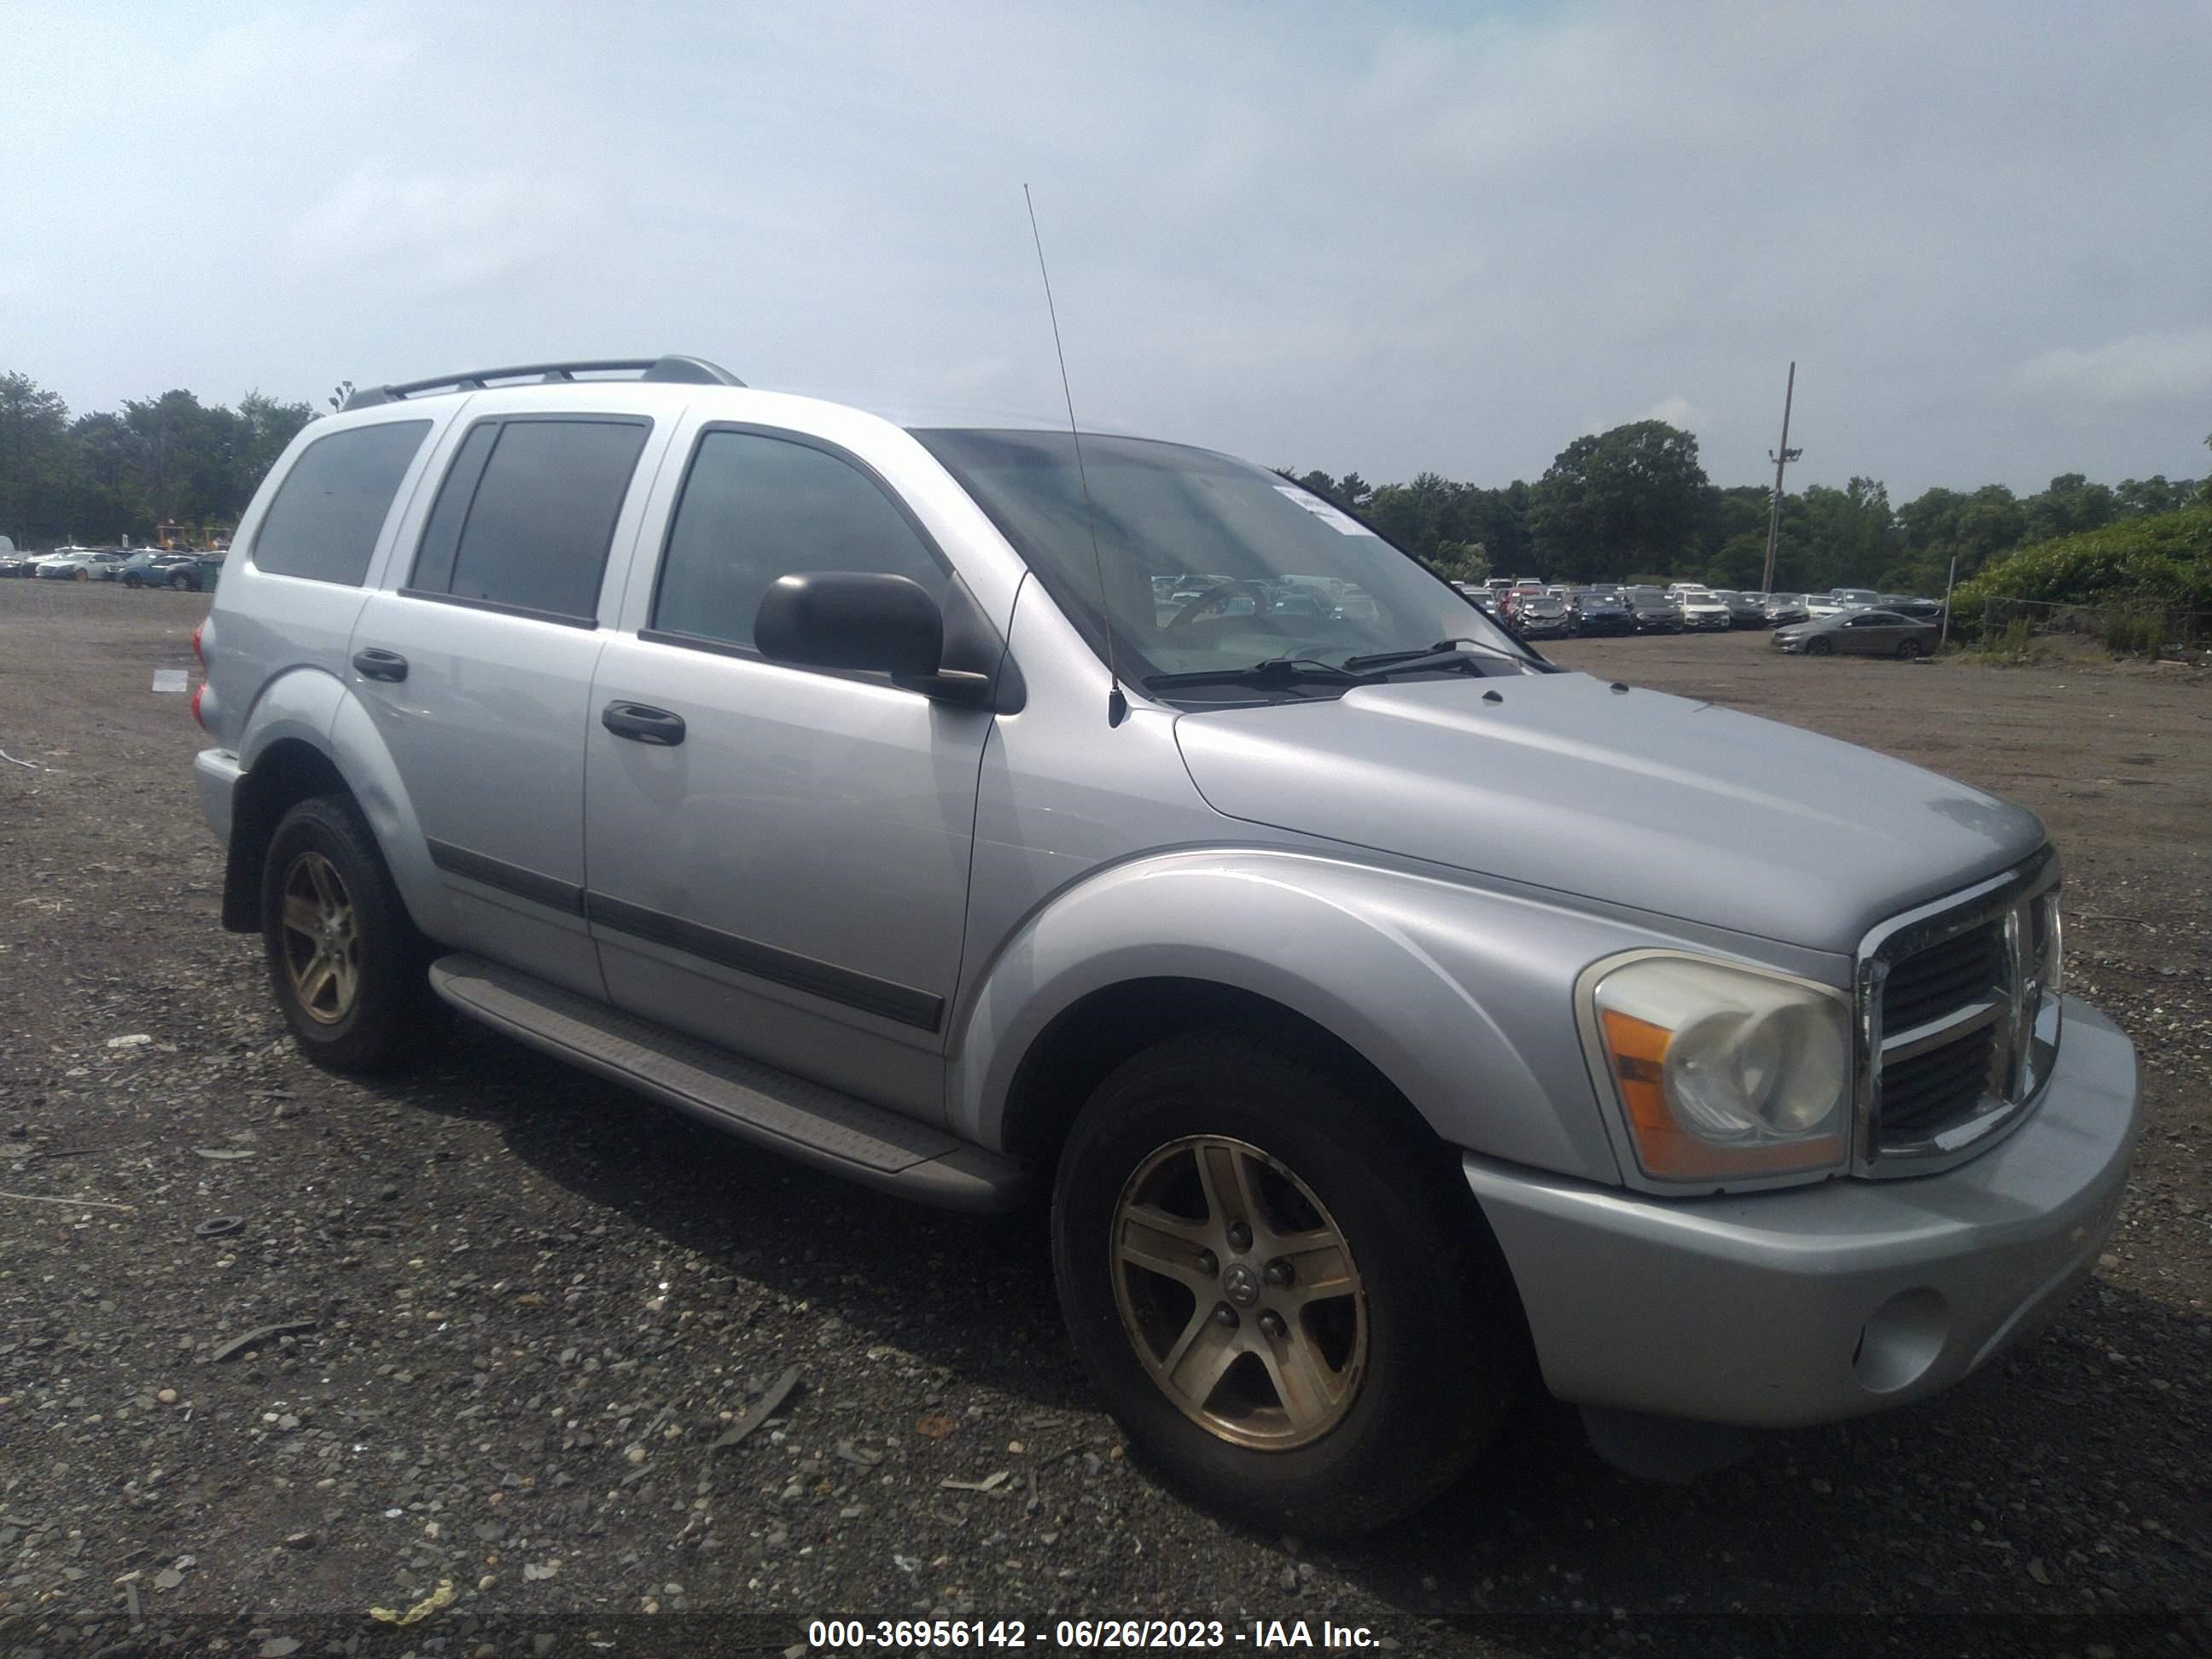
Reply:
x=1637, y=798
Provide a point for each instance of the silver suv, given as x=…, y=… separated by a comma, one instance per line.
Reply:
x=855, y=787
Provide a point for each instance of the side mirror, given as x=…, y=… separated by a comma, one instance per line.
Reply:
x=851, y=619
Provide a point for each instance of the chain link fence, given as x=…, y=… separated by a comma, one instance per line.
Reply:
x=2143, y=627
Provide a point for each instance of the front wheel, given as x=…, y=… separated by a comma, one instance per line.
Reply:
x=82, y=574
x=1908, y=649
x=350, y=970
x=1818, y=648
x=132, y=580
x=1278, y=1285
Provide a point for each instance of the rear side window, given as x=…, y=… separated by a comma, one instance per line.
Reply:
x=527, y=514
x=756, y=508
x=329, y=510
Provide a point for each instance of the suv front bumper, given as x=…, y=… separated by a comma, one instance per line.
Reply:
x=1813, y=1304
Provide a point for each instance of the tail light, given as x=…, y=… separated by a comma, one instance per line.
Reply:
x=198, y=654
x=200, y=691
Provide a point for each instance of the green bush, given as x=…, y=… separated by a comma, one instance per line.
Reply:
x=2135, y=633
x=2160, y=560
x=2008, y=643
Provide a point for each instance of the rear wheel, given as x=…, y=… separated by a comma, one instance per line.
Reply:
x=350, y=970
x=1908, y=649
x=1278, y=1285
x=181, y=582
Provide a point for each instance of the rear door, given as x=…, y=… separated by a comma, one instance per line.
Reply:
x=477, y=668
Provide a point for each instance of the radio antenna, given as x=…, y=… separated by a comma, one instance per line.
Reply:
x=1117, y=706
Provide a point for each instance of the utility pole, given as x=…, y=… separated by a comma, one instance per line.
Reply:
x=1781, y=458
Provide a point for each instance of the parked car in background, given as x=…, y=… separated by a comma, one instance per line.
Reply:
x=1818, y=605
x=1702, y=612
x=1653, y=612
x=84, y=564
x=1856, y=596
x=20, y=562
x=1602, y=613
x=159, y=568
x=1904, y=605
x=1743, y=610
x=1782, y=609
x=1541, y=617
x=1858, y=633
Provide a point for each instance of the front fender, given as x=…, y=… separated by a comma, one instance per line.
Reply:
x=1461, y=997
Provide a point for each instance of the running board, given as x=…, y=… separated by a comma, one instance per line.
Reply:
x=772, y=1108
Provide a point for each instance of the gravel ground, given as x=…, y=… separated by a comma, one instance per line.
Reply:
x=524, y=1305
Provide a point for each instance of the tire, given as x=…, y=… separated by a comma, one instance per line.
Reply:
x=181, y=582
x=1908, y=649
x=81, y=575
x=373, y=1009
x=133, y=580
x=1820, y=647
x=1414, y=1366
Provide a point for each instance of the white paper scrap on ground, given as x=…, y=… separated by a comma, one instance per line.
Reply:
x=1326, y=512
x=169, y=679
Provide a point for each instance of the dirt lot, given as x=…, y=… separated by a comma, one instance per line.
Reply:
x=528, y=1302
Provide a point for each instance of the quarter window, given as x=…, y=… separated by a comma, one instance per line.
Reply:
x=330, y=507
x=527, y=514
x=756, y=508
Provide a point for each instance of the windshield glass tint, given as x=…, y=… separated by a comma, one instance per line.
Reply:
x=1209, y=563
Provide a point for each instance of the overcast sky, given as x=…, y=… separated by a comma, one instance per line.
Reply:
x=1385, y=238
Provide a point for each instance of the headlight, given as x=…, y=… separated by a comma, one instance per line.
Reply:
x=1721, y=1071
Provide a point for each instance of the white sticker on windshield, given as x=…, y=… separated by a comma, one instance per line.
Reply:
x=1343, y=523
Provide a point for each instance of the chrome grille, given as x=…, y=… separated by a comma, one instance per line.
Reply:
x=1959, y=1020
x=1943, y=977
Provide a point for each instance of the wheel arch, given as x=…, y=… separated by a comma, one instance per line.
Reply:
x=1453, y=1005
x=1099, y=1031
x=286, y=772
x=310, y=735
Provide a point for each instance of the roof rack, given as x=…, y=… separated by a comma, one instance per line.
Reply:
x=687, y=371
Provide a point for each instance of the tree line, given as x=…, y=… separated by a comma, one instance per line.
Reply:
x=1635, y=503
x=97, y=478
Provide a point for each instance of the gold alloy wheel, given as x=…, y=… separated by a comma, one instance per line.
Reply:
x=1238, y=1291
x=322, y=941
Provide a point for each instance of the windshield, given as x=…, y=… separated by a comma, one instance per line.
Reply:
x=1286, y=575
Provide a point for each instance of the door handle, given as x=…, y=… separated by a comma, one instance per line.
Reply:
x=641, y=723
x=375, y=664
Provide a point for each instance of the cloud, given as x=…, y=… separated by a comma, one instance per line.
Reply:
x=2165, y=366
x=1678, y=411
x=439, y=232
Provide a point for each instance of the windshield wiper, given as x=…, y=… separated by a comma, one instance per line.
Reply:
x=1441, y=654
x=1266, y=675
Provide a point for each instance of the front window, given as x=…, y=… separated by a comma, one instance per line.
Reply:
x=1209, y=565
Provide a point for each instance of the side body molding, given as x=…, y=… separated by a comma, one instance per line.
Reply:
x=1425, y=978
